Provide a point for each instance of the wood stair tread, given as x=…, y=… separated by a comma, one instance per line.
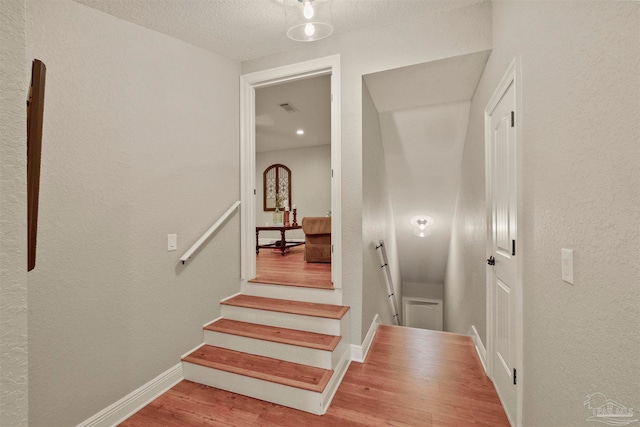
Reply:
x=328, y=311
x=275, y=334
x=264, y=368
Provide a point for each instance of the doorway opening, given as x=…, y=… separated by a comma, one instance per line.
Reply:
x=275, y=105
x=293, y=182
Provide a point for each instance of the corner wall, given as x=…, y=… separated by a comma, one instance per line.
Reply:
x=464, y=282
x=581, y=175
x=14, y=83
x=140, y=140
x=377, y=222
x=448, y=33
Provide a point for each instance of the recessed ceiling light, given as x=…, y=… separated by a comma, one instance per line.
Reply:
x=300, y=132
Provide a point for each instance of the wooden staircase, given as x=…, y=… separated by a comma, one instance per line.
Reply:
x=293, y=351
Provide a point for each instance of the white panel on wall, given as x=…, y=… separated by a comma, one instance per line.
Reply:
x=423, y=313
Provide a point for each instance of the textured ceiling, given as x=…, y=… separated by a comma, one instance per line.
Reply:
x=424, y=114
x=249, y=29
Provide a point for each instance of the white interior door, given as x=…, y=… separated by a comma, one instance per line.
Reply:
x=503, y=259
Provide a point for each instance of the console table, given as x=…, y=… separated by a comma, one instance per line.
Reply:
x=283, y=242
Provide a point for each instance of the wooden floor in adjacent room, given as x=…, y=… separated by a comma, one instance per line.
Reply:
x=291, y=269
x=412, y=377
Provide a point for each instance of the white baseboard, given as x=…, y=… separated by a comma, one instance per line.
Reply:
x=134, y=401
x=359, y=352
x=229, y=297
x=338, y=374
x=482, y=352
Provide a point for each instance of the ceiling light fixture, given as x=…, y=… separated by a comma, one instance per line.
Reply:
x=300, y=132
x=307, y=11
x=422, y=233
x=308, y=20
x=421, y=225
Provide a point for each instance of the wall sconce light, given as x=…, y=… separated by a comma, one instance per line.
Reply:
x=308, y=20
x=422, y=225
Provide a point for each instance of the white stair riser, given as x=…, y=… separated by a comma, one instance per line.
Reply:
x=292, y=397
x=293, y=293
x=283, y=320
x=287, y=352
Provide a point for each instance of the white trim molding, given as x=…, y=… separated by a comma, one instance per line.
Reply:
x=336, y=379
x=130, y=404
x=359, y=352
x=329, y=65
x=482, y=352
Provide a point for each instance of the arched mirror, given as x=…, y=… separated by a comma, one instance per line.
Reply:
x=277, y=187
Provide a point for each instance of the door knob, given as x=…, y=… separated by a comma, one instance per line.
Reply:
x=491, y=260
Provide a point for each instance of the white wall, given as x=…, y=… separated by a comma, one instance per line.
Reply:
x=464, y=283
x=310, y=184
x=377, y=221
x=445, y=34
x=140, y=140
x=581, y=175
x=423, y=290
x=14, y=82
x=423, y=151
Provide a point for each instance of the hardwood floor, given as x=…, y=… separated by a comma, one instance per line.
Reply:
x=291, y=269
x=412, y=377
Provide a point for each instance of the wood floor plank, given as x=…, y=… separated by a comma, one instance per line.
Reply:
x=274, y=334
x=328, y=311
x=291, y=270
x=392, y=388
x=260, y=367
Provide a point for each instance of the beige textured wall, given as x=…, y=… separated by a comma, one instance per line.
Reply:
x=140, y=140
x=311, y=184
x=377, y=221
x=581, y=173
x=449, y=33
x=14, y=82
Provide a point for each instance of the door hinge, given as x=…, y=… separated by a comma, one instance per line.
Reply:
x=331, y=248
x=513, y=119
x=331, y=173
x=514, y=376
x=513, y=248
x=254, y=191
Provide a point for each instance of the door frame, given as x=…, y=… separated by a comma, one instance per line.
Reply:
x=329, y=65
x=513, y=76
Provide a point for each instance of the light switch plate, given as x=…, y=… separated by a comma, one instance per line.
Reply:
x=172, y=242
x=567, y=265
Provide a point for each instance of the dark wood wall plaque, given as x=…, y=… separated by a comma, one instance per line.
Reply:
x=35, y=115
